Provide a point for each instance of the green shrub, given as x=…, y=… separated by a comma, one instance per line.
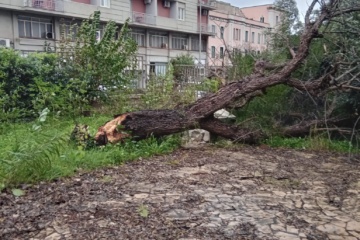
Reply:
x=66, y=83
x=107, y=63
x=29, y=84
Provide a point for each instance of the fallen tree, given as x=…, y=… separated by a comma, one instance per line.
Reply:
x=142, y=124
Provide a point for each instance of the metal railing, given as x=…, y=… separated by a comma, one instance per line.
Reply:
x=183, y=74
x=205, y=28
x=50, y=5
x=143, y=18
x=207, y=3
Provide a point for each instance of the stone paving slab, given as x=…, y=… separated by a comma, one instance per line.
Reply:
x=209, y=193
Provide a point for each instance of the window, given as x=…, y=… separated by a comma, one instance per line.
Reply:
x=222, y=32
x=246, y=36
x=139, y=38
x=104, y=3
x=31, y=27
x=239, y=36
x=277, y=19
x=179, y=42
x=221, y=52
x=262, y=19
x=264, y=39
x=259, y=38
x=158, y=68
x=252, y=37
x=213, y=51
x=234, y=34
x=195, y=44
x=68, y=30
x=213, y=30
x=159, y=40
x=181, y=13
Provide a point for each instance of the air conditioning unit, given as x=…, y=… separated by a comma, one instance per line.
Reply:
x=4, y=42
x=147, y=1
x=164, y=45
x=167, y=4
x=205, y=12
x=49, y=35
x=98, y=36
x=185, y=47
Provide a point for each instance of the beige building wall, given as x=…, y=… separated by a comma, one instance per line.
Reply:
x=270, y=15
x=240, y=34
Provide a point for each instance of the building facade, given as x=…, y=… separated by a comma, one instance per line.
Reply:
x=163, y=29
x=238, y=30
x=206, y=29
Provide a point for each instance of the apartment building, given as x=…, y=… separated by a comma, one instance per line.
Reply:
x=238, y=30
x=163, y=29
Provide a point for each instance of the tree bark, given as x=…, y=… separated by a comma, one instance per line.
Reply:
x=142, y=124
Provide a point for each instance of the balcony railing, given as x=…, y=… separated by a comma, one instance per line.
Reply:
x=206, y=29
x=143, y=18
x=206, y=4
x=49, y=5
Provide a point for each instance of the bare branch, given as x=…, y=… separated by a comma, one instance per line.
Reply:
x=308, y=12
x=344, y=11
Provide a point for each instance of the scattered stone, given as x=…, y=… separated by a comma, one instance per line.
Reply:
x=332, y=229
x=353, y=226
x=292, y=230
x=141, y=195
x=276, y=227
x=223, y=114
x=53, y=236
x=286, y=236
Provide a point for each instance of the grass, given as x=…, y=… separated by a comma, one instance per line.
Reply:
x=28, y=156
x=317, y=143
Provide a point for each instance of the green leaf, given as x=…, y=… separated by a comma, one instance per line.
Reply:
x=43, y=115
x=36, y=127
x=17, y=192
x=2, y=186
x=143, y=211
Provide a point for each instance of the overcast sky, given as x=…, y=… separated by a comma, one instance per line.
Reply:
x=302, y=4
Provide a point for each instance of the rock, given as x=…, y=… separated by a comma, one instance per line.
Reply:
x=223, y=114
x=286, y=236
x=194, y=138
x=53, y=236
x=353, y=226
x=199, y=135
x=332, y=229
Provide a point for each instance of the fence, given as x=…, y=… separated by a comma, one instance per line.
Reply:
x=50, y=5
x=183, y=74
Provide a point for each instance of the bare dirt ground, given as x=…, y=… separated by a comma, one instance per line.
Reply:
x=208, y=193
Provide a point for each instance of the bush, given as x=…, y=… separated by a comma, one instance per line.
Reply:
x=105, y=64
x=66, y=83
x=28, y=84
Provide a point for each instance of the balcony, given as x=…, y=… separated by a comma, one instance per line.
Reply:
x=47, y=5
x=206, y=29
x=207, y=4
x=143, y=18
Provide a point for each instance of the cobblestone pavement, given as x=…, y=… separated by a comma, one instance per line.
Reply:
x=210, y=193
